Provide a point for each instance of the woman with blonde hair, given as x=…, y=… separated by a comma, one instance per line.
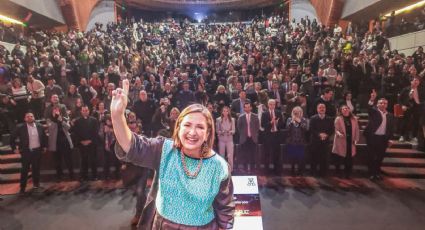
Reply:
x=192, y=186
x=221, y=97
x=225, y=127
x=172, y=119
x=296, y=141
x=347, y=134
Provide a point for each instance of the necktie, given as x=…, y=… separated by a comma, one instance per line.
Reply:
x=248, y=120
x=274, y=129
x=161, y=80
x=276, y=94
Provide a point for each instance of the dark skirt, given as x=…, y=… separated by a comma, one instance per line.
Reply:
x=160, y=223
x=295, y=152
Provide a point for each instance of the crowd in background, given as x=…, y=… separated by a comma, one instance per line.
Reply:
x=404, y=25
x=256, y=78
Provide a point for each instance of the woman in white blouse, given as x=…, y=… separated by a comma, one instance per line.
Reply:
x=225, y=127
x=330, y=74
x=19, y=99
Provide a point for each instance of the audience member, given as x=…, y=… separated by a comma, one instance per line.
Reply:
x=347, y=135
x=32, y=143
x=296, y=140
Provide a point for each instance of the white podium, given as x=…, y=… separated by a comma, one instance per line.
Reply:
x=247, y=201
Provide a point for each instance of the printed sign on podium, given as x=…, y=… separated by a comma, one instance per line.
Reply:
x=247, y=201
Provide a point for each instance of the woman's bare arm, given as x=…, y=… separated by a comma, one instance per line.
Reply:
x=118, y=106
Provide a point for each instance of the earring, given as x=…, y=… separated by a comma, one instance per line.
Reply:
x=205, y=149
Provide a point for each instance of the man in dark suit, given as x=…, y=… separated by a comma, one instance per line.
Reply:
x=32, y=142
x=86, y=137
x=286, y=84
x=291, y=99
x=237, y=106
x=243, y=78
x=183, y=80
x=254, y=96
x=321, y=129
x=277, y=94
x=145, y=109
x=184, y=97
x=319, y=84
x=235, y=92
x=365, y=85
x=354, y=77
x=378, y=133
x=269, y=83
x=248, y=128
x=390, y=87
x=153, y=88
x=272, y=122
x=326, y=99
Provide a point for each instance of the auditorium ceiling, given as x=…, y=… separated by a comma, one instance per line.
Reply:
x=196, y=4
x=41, y=18
x=371, y=9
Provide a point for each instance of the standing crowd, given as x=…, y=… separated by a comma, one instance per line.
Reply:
x=256, y=79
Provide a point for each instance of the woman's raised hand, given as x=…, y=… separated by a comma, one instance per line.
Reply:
x=120, y=99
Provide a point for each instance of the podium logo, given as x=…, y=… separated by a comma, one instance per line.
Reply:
x=251, y=182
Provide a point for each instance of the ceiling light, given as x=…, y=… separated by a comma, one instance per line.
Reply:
x=10, y=20
x=408, y=8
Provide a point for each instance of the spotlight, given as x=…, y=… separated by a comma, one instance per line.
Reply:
x=10, y=20
x=408, y=8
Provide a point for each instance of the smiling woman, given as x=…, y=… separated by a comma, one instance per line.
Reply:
x=192, y=187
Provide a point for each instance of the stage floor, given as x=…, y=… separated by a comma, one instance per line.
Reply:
x=287, y=203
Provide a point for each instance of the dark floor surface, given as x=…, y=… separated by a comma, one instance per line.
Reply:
x=286, y=204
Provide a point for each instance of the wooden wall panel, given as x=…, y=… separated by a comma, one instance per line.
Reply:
x=77, y=12
x=83, y=10
x=328, y=11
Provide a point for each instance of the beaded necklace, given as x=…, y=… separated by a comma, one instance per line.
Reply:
x=186, y=170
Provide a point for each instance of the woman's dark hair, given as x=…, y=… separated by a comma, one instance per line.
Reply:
x=340, y=110
x=97, y=106
x=108, y=117
x=346, y=94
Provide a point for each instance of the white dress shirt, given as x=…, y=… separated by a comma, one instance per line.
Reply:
x=272, y=115
x=248, y=122
x=415, y=96
x=382, y=128
x=34, y=140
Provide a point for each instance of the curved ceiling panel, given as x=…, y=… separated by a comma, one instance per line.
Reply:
x=210, y=4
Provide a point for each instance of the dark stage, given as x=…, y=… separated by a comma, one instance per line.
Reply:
x=287, y=203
